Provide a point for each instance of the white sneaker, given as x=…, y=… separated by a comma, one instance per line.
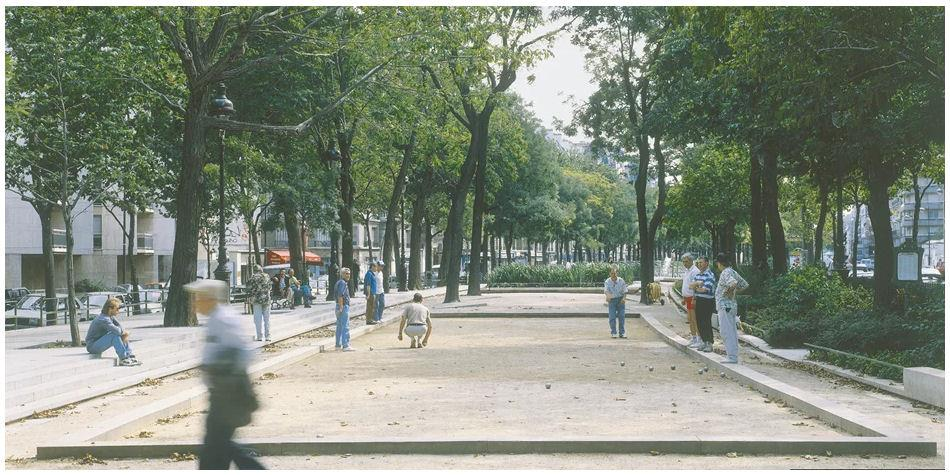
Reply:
x=706, y=348
x=349, y=349
x=129, y=362
x=694, y=343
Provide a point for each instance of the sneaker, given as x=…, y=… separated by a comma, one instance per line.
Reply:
x=258, y=338
x=129, y=362
x=705, y=348
x=613, y=335
x=624, y=336
x=267, y=338
x=348, y=348
x=694, y=343
x=728, y=361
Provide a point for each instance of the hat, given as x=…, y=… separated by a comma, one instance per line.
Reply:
x=213, y=288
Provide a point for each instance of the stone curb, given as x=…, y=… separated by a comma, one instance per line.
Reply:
x=685, y=445
x=811, y=404
x=527, y=315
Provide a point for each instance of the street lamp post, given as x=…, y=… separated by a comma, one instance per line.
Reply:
x=221, y=107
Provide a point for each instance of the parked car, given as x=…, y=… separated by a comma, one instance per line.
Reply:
x=14, y=295
x=29, y=310
x=146, y=293
x=930, y=275
x=95, y=300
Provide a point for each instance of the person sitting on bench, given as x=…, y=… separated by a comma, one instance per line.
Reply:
x=106, y=331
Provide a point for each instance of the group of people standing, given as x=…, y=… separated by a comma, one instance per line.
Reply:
x=702, y=294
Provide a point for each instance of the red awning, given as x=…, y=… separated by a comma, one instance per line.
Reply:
x=282, y=256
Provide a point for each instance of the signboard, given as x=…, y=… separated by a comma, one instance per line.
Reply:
x=908, y=262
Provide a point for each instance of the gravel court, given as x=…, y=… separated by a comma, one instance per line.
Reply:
x=489, y=377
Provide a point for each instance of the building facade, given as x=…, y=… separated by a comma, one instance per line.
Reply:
x=99, y=247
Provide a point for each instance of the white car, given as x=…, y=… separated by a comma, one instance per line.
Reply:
x=29, y=310
x=930, y=275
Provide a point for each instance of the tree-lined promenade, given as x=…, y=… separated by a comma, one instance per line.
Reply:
x=743, y=128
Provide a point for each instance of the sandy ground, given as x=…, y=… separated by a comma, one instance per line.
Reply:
x=487, y=377
x=483, y=378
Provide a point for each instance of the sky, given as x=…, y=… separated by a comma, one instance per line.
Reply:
x=556, y=79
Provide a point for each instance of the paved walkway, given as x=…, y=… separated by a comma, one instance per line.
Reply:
x=38, y=378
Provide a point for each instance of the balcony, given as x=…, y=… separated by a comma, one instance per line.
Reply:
x=59, y=240
x=145, y=243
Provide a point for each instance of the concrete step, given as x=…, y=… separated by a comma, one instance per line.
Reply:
x=80, y=366
x=66, y=384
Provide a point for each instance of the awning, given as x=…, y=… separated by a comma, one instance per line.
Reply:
x=282, y=256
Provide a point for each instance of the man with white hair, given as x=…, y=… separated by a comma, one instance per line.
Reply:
x=224, y=362
x=259, y=291
x=615, y=289
x=689, y=299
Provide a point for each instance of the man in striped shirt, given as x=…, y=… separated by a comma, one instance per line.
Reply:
x=704, y=286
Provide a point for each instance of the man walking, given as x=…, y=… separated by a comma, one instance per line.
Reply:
x=615, y=290
x=341, y=294
x=380, y=291
x=259, y=288
x=224, y=363
x=689, y=299
x=704, y=286
x=369, y=288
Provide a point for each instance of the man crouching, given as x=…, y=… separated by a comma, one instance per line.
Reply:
x=415, y=323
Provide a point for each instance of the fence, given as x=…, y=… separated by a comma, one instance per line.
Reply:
x=149, y=300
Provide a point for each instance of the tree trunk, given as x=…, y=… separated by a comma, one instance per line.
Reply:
x=71, y=280
x=348, y=198
x=820, y=226
x=478, y=146
x=45, y=213
x=292, y=225
x=756, y=219
x=511, y=233
x=415, y=230
x=854, y=238
x=185, y=256
x=771, y=209
x=369, y=236
x=131, y=257
x=478, y=217
x=839, y=263
x=333, y=266
x=494, y=256
x=443, y=263
x=428, y=229
x=879, y=212
x=393, y=209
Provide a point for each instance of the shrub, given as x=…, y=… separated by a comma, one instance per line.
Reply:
x=86, y=285
x=580, y=275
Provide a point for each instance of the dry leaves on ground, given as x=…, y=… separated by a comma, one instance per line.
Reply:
x=150, y=382
x=269, y=376
x=89, y=459
x=176, y=417
x=141, y=435
x=50, y=413
x=177, y=457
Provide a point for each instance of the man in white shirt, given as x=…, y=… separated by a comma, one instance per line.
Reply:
x=380, y=291
x=415, y=323
x=689, y=300
x=615, y=290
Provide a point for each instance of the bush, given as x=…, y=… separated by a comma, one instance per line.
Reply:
x=580, y=275
x=86, y=285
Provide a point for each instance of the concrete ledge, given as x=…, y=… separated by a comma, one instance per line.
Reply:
x=512, y=314
x=685, y=445
x=551, y=290
x=925, y=384
x=811, y=404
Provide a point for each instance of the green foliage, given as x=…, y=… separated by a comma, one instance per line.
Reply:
x=590, y=274
x=88, y=285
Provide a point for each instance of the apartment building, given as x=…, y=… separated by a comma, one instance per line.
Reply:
x=99, y=250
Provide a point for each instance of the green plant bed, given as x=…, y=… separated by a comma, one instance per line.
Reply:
x=591, y=274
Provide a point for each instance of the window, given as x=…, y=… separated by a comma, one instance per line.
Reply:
x=97, y=232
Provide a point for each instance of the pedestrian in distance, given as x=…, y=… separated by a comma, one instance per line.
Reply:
x=280, y=285
x=341, y=293
x=704, y=288
x=615, y=290
x=293, y=289
x=369, y=289
x=730, y=283
x=106, y=331
x=224, y=363
x=306, y=292
x=416, y=323
x=689, y=299
x=259, y=290
x=380, y=291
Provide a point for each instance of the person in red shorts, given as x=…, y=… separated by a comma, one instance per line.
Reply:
x=689, y=299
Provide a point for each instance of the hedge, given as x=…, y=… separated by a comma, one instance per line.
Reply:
x=586, y=274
